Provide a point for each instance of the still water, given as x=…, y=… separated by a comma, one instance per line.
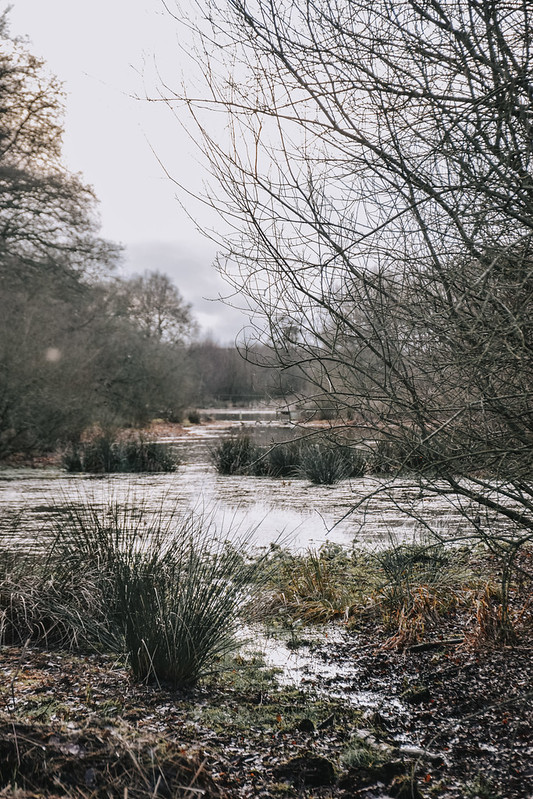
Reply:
x=293, y=512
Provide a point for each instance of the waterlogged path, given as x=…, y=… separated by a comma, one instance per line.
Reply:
x=292, y=512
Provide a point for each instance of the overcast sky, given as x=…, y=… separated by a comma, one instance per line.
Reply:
x=107, y=52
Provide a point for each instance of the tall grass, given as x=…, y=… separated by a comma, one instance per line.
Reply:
x=172, y=586
x=407, y=589
x=315, y=586
x=325, y=462
x=103, y=455
x=167, y=590
x=284, y=459
x=396, y=456
x=47, y=606
x=322, y=462
x=235, y=455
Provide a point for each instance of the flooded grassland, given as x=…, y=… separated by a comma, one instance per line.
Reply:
x=377, y=700
x=292, y=511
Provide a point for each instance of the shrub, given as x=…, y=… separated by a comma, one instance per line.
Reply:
x=104, y=456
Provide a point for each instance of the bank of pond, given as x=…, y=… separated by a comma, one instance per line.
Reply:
x=139, y=655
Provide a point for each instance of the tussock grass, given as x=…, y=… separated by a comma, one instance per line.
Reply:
x=167, y=590
x=173, y=587
x=322, y=462
x=48, y=608
x=104, y=455
x=284, y=459
x=325, y=462
x=235, y=455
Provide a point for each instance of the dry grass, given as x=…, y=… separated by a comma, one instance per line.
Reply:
x=95, y=764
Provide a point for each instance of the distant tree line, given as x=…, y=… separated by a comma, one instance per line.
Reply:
x=80, y=346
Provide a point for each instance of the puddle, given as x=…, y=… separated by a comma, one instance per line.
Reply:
x=325, y=669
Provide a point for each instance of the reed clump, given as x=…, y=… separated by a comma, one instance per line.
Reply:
x=322, y=462
x=168, y=591
x=104, y=455
x=326, y=463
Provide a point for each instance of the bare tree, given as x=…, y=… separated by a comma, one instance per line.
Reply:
x=47, y=215
x=156, y=306
x=376, y=185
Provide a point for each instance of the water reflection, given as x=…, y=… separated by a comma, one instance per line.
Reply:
x=302, y=514
x=295, y=511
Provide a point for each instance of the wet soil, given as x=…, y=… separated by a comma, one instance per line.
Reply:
x=463, y=711
x=455, y=721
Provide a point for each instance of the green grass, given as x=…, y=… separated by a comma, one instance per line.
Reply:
x=362, y=755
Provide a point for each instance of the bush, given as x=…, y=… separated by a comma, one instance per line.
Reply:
x=105, y=456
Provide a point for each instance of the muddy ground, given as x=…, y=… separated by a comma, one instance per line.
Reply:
x=453, y=722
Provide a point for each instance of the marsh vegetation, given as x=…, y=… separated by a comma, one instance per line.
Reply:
x=377, y=216
x=136, y=614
